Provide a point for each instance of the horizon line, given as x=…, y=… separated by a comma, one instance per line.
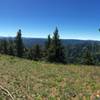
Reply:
x=46, y=38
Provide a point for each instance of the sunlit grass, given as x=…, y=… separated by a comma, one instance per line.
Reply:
x=30, y=80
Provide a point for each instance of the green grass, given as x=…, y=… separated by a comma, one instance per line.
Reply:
x=30, y=80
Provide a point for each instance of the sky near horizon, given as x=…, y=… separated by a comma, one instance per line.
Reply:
x=75, y=19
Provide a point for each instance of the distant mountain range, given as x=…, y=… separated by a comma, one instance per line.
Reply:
x=41, y=41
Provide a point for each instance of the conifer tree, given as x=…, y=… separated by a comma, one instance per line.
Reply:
x=56, y=51
x=47, y=46
x=87, y=57
x=37, y=52
x=31, y=53
x=11, y=47
x=48, y=42
x=19, y=44
x=4, y=46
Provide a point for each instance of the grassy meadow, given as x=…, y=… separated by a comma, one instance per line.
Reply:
x=30, y=80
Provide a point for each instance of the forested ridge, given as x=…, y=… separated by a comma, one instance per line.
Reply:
x=53, y=49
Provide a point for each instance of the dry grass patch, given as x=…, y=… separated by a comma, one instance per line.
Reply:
x=29, y=80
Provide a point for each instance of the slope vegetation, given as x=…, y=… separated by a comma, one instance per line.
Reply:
x=29, y=80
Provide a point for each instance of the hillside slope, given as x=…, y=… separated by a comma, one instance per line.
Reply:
x=29, y=80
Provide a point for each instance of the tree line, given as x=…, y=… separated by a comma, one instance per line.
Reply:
x=53, y=50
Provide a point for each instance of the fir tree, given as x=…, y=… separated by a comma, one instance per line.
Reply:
x=48, y=42
x=37, y=52
x=31, y=53
x=4, y=46
x=56, y=51
x=19, y=44
x=47, y=46
x=11, y=47
x=87, y=57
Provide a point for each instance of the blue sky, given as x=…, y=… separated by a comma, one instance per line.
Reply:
x=75, y=19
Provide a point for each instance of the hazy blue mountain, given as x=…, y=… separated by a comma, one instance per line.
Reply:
x=41, y=41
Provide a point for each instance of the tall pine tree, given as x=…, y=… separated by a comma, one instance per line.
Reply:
x=19, y=44
x=48, y=42
x=47, y=46
x=56, y=51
